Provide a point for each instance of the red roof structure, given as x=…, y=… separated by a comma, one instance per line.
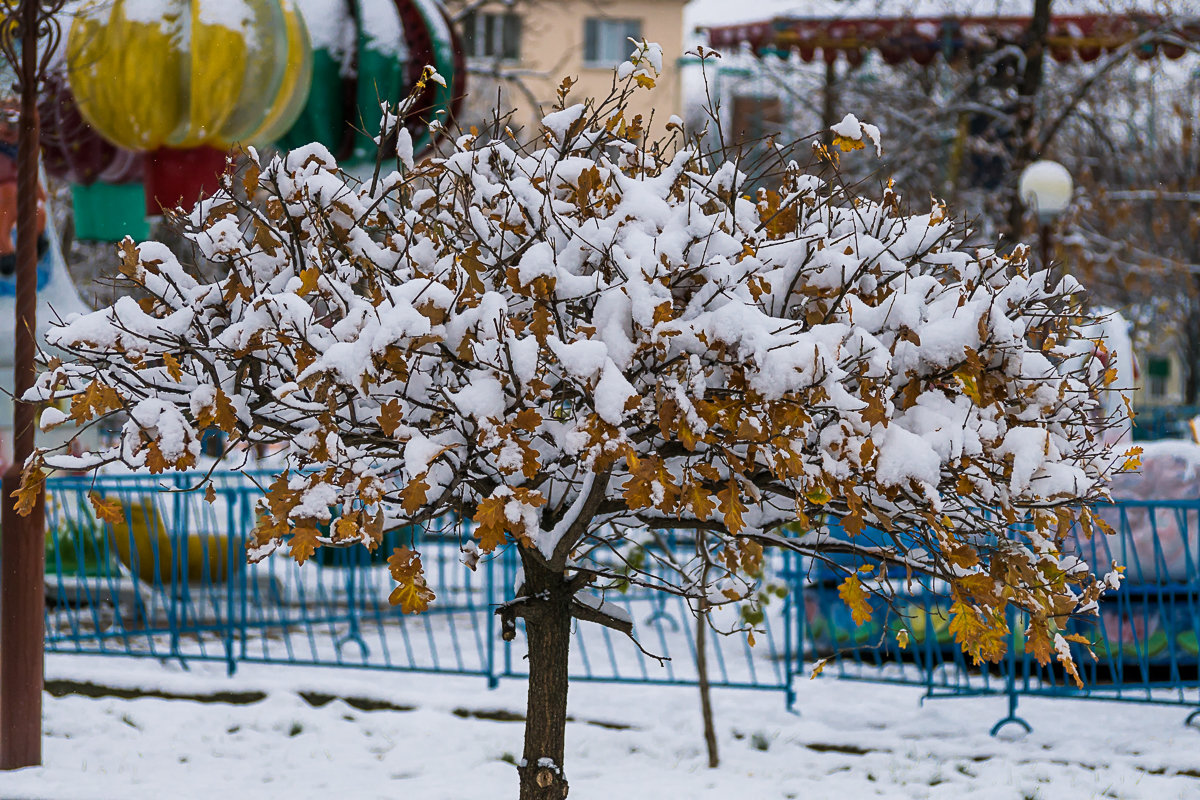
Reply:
x=922, y=39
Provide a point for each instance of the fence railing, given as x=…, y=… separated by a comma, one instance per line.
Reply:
x=1144, y=637
x=171, y=581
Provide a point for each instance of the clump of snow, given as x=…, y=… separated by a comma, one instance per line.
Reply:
x=851, y=128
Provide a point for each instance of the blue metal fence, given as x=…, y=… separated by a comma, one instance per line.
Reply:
x=1144, y=637
x=171, y=582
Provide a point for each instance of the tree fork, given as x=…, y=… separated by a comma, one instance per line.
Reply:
x=548, y=632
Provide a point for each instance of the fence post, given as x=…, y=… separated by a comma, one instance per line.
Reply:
x=492, y=633
x=1010, y=680
x=177, y=541
x=246, y=509
x=794, y=599
x=234, y=543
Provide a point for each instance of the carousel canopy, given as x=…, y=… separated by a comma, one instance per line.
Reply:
x=921, y=39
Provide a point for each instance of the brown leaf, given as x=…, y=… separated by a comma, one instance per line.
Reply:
x=95, y=400
x=220, y=414
x=391, y=414
x=109, y=511
x=155, y=462
x=542, y=323
x=491, y=522
x=528, y=419
x=412, y=496
x=345, y=529
x=374, y=529
x=469, y=261
x=304, y=543
x=173, y=367
x=699, y=499
x=732, y=507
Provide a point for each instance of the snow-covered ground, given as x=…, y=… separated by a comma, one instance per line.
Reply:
x=850, y=740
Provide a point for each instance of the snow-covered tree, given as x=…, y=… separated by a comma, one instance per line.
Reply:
x=597, y=333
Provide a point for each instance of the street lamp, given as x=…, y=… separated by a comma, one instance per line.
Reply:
x=1046, y=187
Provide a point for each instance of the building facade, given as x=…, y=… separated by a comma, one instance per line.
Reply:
x=518, y=54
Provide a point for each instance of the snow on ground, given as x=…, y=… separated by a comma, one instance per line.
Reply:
x=850, y=740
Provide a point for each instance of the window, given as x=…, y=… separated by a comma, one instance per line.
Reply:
x=606, y=41
x=492, y=35
x=755, y=117
x=1160, y=373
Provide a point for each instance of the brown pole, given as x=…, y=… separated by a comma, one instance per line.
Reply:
x=1044, y=234
x=22, y=550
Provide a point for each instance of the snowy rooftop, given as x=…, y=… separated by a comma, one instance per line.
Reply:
x=721, y=12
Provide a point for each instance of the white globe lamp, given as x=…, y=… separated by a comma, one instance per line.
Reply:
x=1046, y=187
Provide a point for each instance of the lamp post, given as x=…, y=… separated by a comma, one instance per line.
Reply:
x=1046, y=187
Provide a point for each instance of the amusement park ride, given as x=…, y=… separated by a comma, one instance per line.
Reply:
x=140, y=113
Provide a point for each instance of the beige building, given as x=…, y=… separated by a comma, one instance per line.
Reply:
x=519, y=54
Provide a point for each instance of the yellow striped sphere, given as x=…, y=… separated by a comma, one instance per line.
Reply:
x=189, y=73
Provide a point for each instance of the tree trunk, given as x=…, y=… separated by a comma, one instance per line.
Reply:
x=1028, y=86
x=548, y=631
x=829, y=103
x=710, y=731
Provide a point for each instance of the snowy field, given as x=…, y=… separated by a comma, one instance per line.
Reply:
x=453, y=738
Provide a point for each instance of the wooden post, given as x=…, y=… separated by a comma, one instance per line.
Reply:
x=22, y=552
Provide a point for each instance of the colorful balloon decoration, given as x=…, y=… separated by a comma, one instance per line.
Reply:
x=183, y=80
x=106, y=181
x=159, y=90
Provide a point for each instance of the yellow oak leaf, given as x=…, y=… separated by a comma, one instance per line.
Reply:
x=412, y=593
x=818, y=495
x=637, y=492
x=308, y=281
x=698, y=498
x=855, y=597
x=969, y=386
x=33, y=477
x=846, y=144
